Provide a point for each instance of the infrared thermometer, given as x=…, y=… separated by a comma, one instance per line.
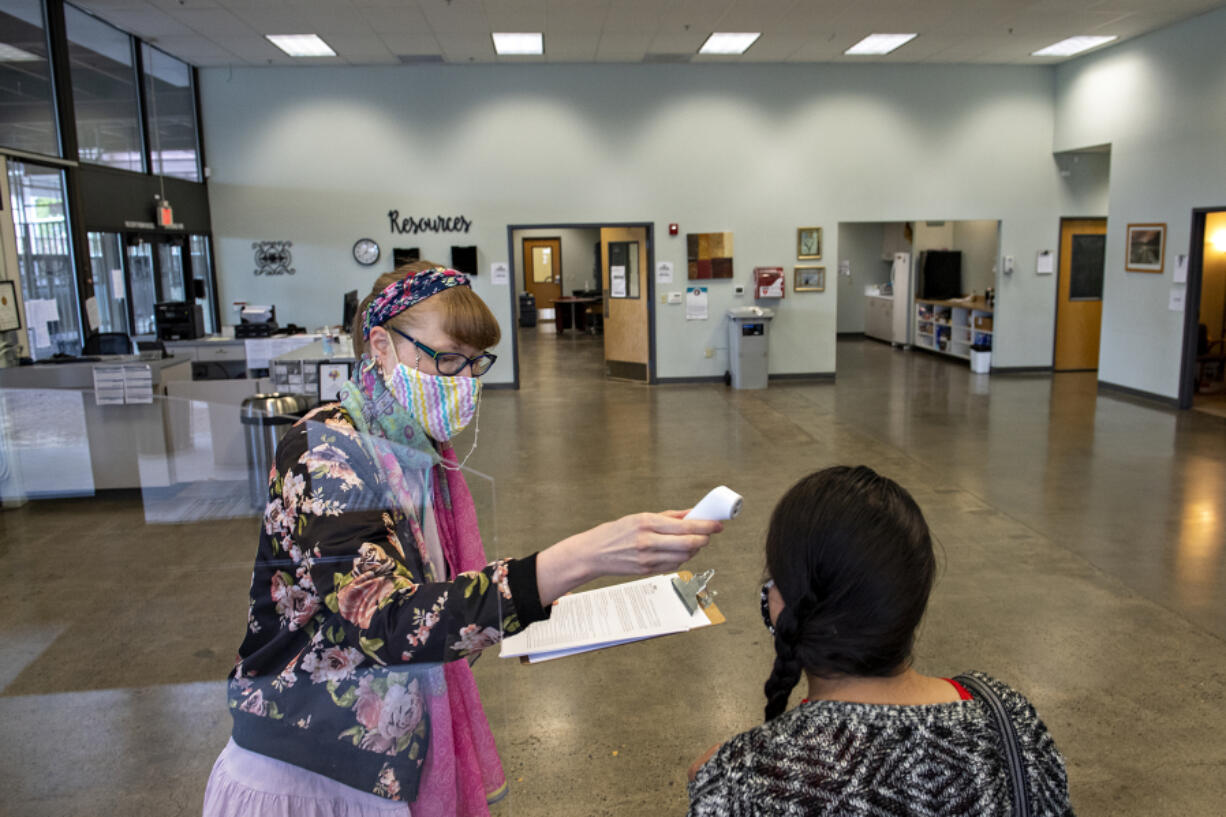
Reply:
x=720, y=504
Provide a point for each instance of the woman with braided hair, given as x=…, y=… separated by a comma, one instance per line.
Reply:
x=851, y=565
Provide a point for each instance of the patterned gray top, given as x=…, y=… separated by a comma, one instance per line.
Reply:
x=834, y=758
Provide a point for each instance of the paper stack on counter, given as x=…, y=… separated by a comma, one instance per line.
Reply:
x=606, y=617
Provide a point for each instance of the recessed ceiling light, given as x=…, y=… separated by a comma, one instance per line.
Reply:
x=302, y=45
x=877, y=44
x=10, y=54
x=1073, y=45
x=722, y=42
x=519, y=44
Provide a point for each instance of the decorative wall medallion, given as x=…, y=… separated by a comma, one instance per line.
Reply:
x=273, y=257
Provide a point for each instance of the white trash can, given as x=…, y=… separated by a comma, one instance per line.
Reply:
x=981, y=362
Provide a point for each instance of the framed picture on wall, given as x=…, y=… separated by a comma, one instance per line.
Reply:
x=808, y=278
x=809, y=242
x=10, y=315
x=332, y=376
x=1146, y=248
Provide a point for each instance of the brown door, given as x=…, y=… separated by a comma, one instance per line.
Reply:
x=1079, y=300
x=543, y=270
x=624, y=280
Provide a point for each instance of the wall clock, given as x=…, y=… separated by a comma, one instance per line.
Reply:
x=366, y=251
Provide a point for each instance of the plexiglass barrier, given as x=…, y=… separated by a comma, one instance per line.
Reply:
x=355, y=594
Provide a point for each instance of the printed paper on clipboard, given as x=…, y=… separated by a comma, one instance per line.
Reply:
x=608, y=617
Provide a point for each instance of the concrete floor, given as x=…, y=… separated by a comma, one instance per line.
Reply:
x=1081, y=538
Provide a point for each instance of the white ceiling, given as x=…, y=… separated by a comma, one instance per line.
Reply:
x=373, y=32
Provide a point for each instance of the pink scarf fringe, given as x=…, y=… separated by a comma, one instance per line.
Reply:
x=462, y=767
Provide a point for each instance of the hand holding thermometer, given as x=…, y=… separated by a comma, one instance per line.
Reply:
x=720, y=504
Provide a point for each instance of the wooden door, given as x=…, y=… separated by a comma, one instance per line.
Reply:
x=624, y=281
x=543, y=270
x=1079, y=299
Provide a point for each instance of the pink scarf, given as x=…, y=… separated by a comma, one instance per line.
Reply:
x=462, y=771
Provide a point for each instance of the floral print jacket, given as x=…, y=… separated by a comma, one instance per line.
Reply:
x=346, y=627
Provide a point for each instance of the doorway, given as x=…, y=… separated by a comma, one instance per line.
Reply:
x=152, y=268
x=1203, y=378
x=624, y=279
x=1079, y=294
x=543, y=269
x=583, y=280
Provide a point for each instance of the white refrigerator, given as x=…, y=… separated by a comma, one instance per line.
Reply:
x=904, y=308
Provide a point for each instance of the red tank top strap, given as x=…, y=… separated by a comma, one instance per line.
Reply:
x=962, y=693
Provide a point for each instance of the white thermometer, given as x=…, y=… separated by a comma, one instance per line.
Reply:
x=721, y=504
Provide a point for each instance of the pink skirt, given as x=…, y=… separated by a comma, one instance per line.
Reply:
x=247, y=784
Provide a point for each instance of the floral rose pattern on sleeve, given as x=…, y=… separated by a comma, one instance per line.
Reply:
x=345, y=624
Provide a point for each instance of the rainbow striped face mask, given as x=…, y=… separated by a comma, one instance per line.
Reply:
x=443, y=404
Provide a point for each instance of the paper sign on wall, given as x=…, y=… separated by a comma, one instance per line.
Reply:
x=1046, y=264
x=664, y=272
x=1178, y=296
x=617, y=281
x=500, y=273
x=91, y=313
x=696, y=308
x=1181, y=269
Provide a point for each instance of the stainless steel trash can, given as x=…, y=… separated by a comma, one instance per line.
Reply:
x=266, y=418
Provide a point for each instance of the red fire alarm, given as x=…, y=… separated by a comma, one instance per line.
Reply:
x=673, y=229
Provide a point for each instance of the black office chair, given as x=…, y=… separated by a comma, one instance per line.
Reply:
x=107, y=343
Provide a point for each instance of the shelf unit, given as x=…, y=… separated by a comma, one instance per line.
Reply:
x=949, y=327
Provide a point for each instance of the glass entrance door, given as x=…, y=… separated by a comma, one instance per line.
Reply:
x=110, y=286
x=165, y=268
x=144, y=286
x=170, y=270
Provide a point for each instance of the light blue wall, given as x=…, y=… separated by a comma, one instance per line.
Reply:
x=860, y=245
x=319, y=155
x=1160, y=102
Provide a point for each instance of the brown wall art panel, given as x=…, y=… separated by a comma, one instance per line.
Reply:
x=708, y=255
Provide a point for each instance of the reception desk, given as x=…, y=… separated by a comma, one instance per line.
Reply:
x=57, y=441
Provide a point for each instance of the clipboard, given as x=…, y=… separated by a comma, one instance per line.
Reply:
x=705, y=601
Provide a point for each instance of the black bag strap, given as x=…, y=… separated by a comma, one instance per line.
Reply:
x=1008, y=735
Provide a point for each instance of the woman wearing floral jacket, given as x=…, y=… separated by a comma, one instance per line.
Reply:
x=370, y=582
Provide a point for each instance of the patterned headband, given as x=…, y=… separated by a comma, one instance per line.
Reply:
x=410, y=290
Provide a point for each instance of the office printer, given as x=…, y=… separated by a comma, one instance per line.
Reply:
x=256, y=322
x=179, y=320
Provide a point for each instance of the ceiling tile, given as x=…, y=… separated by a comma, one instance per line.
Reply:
x=685, y=43
x=621, y=47
x=254, y=50
x=774, y=47
x=455, y=17
x=196, y=50
x=462, y=48
x=147, y=23
x=272, y=20
x=576, y=15
x=214, y=22
x=572, y=47
x=416, y=44
x=404, y=19
x=515, y=15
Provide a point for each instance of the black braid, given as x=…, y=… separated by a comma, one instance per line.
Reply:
x=787, y=669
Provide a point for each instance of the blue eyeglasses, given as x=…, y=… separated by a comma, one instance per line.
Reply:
x=452, y=363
